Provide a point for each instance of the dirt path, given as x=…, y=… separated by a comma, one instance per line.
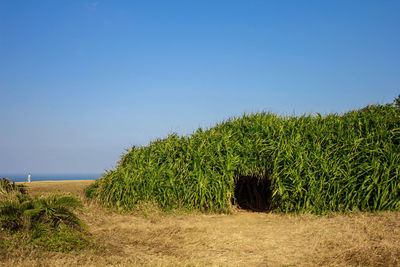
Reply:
x=243, y=238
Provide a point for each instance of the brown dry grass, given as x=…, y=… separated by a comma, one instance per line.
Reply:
x=75, y=187
x=152, y=238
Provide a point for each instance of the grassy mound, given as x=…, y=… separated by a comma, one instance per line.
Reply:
x=308, y=163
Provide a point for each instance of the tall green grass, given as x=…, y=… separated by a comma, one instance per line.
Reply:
x=315, y=164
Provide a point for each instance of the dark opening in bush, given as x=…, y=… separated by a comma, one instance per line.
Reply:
x=253, y=193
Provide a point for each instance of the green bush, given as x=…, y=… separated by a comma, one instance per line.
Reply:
x=49, y=222
x=313, y=164
x=28, y=212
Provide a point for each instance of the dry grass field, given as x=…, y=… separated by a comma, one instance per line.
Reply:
x=151, y=238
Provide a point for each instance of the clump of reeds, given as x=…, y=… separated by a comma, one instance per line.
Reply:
x=314, y=164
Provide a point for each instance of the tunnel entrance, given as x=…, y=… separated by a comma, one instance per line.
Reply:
x=252, y=193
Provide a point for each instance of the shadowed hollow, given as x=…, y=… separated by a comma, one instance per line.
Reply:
x=252, y=193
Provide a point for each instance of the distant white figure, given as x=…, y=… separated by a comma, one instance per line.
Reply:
x=29, y=177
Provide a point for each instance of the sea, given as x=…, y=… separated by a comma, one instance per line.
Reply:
x=23, y=177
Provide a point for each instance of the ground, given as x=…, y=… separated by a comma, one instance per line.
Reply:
x=152, y=238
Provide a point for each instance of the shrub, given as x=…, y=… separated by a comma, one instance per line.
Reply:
x=42, y=220
x=55, y=210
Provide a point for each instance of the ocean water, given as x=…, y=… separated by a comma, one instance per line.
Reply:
x=23, y=177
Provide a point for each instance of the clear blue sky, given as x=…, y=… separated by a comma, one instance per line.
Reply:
x=82, y=80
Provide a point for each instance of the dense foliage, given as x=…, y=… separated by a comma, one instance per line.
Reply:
x=46, y=221
x=314, y=164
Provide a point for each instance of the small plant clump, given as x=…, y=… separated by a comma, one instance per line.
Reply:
x=7, y=186
x=47, y=221
x=309, y=163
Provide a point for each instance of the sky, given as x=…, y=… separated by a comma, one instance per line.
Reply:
x=81, y=81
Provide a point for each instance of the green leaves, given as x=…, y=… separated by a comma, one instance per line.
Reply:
x=28, y=213
x=315, y=163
